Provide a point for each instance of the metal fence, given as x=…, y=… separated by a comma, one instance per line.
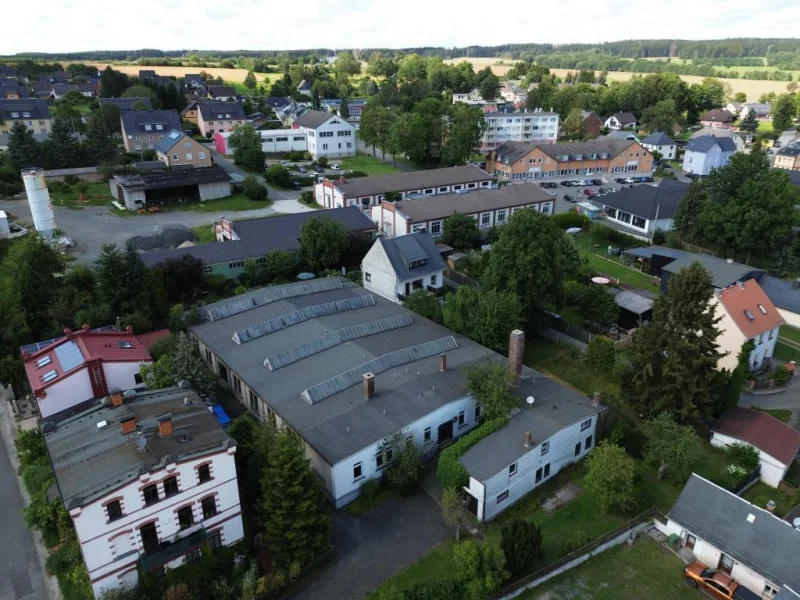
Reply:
x=748, y=480
x=460, y=278
x=649, y=514
x=579, y=333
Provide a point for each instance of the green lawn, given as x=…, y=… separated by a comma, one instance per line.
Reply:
x=236, y=202
x=370, y=166
x=761, y=493
x=764, y=126
x=790, y=333
x=644, y=570
x=782, y=414
x=97, y=194
x=205, y=234
x=612, y=266
x=786, y=353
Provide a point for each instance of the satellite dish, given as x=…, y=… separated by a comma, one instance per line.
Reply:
x=530, y=400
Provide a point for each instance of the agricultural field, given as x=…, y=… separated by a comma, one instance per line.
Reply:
x=229, y=75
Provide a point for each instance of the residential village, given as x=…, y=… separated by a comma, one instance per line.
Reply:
x=375, y=324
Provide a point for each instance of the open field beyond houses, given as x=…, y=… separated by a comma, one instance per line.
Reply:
x=752, y=87
x=233, y=75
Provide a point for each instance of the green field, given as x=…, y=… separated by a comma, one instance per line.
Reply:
x=236, y=202
x=97, y=194
x=369, y=165
x=612, y=266
x=644, y=570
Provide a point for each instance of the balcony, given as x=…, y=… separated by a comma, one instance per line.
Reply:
x=169, y=551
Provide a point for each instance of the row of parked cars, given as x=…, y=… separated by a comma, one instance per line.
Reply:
x=590, y=194
x=642, y=179
x=581, y=182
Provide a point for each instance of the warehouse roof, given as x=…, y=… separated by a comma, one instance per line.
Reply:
x=410, y=181
x=172, y=178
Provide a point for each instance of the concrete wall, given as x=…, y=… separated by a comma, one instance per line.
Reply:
x=212, y=191
x=331, y=139
x=772, y=470
x=66, y=393
x=123, y=374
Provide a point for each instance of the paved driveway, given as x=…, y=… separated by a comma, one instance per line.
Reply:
x=376, y=546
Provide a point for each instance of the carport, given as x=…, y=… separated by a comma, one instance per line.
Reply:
x=175, y=186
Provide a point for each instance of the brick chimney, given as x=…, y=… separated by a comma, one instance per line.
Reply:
x=443, y=362
x=516, y=350
x=86, y=327
x=165, y=426
x=528, y=440
x=369, y=385
x=129, y=329
x=128, y=424
x=770, y=506
x=596, y=399
x=116, y=396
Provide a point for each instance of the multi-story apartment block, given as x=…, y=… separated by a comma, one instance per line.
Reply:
x=327, y=134
x=149, y=481
x=215, y=117
x=536, y=127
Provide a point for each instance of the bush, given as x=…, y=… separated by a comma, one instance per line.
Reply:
x=252, y=159
x=373, y=493
x=296, y=156
x=782, y=375
x=253, y=189
x=438, y=589
x=571, y=541
x=71, y=179
x=674, y=240
x=279, y=175
x=322, y=161
x=659, y=237
x=450, y=472
x=305, y=180
x=149, y=154
x=406, y=469
x=573, y=292
x=307, y=197
x=600, y=355
x=744, y=456
x=569, y=219
x=521, y=543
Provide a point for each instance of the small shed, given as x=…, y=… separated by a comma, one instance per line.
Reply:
x=634, y=307
x=589, y=209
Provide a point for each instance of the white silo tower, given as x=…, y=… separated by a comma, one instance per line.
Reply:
x=39, y=199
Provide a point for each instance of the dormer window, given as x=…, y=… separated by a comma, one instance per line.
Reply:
x=415, y=264
x=26, y=115
x=159, y=128
x=148, y=128
x=579, y=157
x=125, y=344
x=14, y=115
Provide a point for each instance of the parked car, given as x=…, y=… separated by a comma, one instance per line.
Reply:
x=319, y=169
x=296, y=185
x=548, y=184
x=569, y=198
x=284, y=163
x=335, y=167
x=649, y=179
x=597, y=182
x=589, y=193
x=566, y=183
x=716, y=583
x=620, y=180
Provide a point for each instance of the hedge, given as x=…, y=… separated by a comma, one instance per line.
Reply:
x=438, y=589
x=570, y=219
x=450, y=472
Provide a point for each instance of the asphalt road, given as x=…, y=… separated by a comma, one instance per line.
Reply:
x=20, y=572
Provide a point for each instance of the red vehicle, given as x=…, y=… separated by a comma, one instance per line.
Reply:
x=589, y=193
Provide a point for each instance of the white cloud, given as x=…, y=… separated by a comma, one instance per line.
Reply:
x=255, y=24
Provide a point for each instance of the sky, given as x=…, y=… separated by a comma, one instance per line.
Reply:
x=80, y=25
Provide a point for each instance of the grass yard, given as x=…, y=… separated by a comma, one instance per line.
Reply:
x=761, y=493
x=644, y=570
x=786, y=353
x=789, y=333
x=369, y=165
x=764, y=126
x=612, y=266
x=782, y=414
x=97, y=194
x=236, y=202
x=205, y=234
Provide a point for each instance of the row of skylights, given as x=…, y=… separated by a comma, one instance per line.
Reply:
x=298, y=316
x=49, y=376
x=44, y=361
x=339, y=383
x=335, y=338
x=271, y=295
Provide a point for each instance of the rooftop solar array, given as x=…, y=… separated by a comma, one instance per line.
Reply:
x=335, y=338
x=69, y=355
x=339, y=383
x=36, y=346
x=273, y=295
x=304, y=314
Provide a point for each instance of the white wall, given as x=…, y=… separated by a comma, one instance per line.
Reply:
x=730, y=339
x=701, y=163
x=121, y=374
x=561, y=453
x=76, y=388
x=334, y=138
x=772, y=470
x=382, y=278
x=335, y=199
x=108, y=547
x=212, y=191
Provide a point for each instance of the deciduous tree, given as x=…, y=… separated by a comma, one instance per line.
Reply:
x=250, y=81
x=489, y=384
x=783, y=112
x=671, y=447
x=425, y=304
x=598, y=305
x=280, y=265
x=688, y=217
x=485, y=316
x=463, y=133
x=600, y=355
x=461, y=232
x=323, y=241
x=609, y=477
x=574, y=125
x=662, y=116
x=482, y=566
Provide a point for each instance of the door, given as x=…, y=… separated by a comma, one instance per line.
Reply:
x=445, y=431
x=223, y=372
x=472, y=505
x=690, y=542
x=149, y=538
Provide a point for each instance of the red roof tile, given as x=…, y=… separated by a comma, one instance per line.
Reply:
x=750, y=308
x=761, y=430
x=151, y=337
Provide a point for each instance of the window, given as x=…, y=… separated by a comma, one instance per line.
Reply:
x=188, y=156
x=206, y=270
x=426, y=436
x=49, y=376
x=150, y=495
x=379, y=460
x=588, y=443
x=547, y=470
x=209, y=507
x=368, y=277
x=149, y=538
x=137, y=378
x=545, y=448
x=202, y=155
x=577, y=448
x=690, y=542
x=357, y=471
x=203, y=473
x=436, y=227
x=44, y=361
x=185, y=517
x=215, y=540
x=114, y=510
x=148, y=128
x=187, y=145
x=433, y=279
x=502, y=497
x=512, y=469
x=15, y=115
x=174, y=157
x=324, y=146
x=170, y=486
x=486, y=219
x=586, y=424
x=769, y=590
x=477, y=411
x=501, y=216
x=725, y=564
x=192, y=555
x=442, y=189
x=538, y=475
x=461, y=419
x=159, y=127
x=253, y=401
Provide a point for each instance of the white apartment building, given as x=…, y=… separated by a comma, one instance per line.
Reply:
x=148, y=480
x=490, y=207
x=272, y=140
x=327, y=134
x=535, y=127
x=397, y=267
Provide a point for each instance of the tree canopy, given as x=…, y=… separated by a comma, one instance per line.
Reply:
x=485, y=316
x=489, y=384
x=609, y=477
x=671, y=447
x=323, y=242
x=461, y=232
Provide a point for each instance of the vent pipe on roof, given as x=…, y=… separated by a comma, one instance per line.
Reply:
x=770, y=506
x=527, y=440
x=165, y=426
x=443, y=362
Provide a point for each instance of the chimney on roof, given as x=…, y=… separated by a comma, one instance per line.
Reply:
x=67, y=331
x=729, y=261
x=116, y=396
x=443, y=362
x=165, y=426
x=86, y=327
x=129, y=330
x=369, y=385
x=516, y=349
x=128, y=424
x=596, y=399
x=527, y=440
x=770, y=506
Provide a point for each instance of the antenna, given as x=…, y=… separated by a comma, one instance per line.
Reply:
x=530, y=400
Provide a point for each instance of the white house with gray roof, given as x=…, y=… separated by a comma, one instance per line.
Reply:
x=149, y=479
x=706, y=153
x=327, y=134
x=726, y=532
x=397, y=267
x=660, y=142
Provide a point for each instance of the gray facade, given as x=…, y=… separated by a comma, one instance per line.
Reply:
x=707, y=153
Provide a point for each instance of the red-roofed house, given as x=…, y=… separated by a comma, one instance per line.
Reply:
x=776, y=442
x=746, y=313
x=83, y=365
x=150, y=338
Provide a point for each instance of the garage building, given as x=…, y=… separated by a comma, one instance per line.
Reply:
x=178, y=186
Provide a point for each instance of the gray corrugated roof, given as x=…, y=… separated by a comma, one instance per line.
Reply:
x=135, y=121
x=313, y=118
x=406, y=248
x=89, y=462
x=410, y=181
x=632, y=301
x=648, y=200
x=658, y=138
x=768, y=545
x=257, y=237
x=127, y=103
x=173, y=178
x=706, y=142
x=475, y=201
x=649, y=251
x=722, y=272
x=344, y=423
x=555, y=407
x=784, y=294
x=211, y=111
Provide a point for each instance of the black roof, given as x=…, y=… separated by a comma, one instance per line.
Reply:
x=277, y=101
x=746, y=533
x=23, y=108
x=216, y=111
x=704, y=143
x=135, y=121
x=658, y=138
x=127, y=103
x=624, y=117
x=258, y=237
x=648, y=201
x=792, y=149
x=221, y=90
x=173, y=178
x=406, y=249
x=784, y=294
x=11, y=86
x=313, y=118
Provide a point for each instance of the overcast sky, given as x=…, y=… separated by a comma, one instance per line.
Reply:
x=71, y=26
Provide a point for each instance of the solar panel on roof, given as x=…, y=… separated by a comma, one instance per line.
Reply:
x=299, y=316
x=174, y=134
x=339, y=383
x=69, y=355
x=273, y=295
x=335, y=338
x=410, y=249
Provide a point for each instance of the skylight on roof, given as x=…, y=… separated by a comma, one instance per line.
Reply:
x=49, y=376
x=762, y=309
x=749, y=315
x=44, y=361
x=125, y=344
x=175, y=135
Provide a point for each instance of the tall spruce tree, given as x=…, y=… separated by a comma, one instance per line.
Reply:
x=99, y=144
x=23, y=150
x=64, y=148
x=688, y=217
x=295, y=525
x=750, y=122
x=673, y=359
